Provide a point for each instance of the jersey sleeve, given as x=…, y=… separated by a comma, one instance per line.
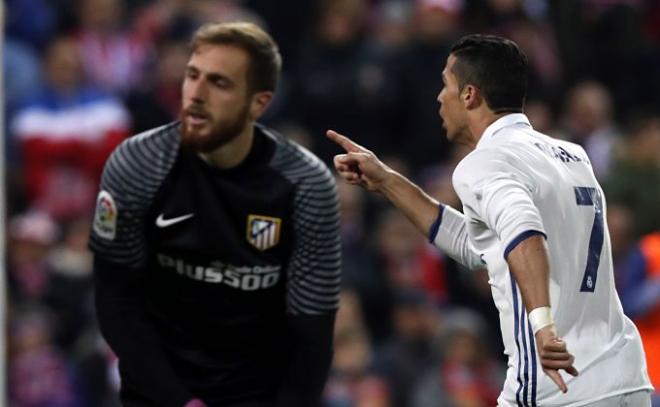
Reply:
x=493, y=186
x=314, y=269
x=450, y=236
x=131, y=178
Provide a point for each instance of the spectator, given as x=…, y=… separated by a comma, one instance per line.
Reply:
x=113, y=57
x=21, y=64
x=589, y=122
x=99, y=369
x=352, y=382
x=343, y=80
x=158, y=100
x=65, y=133
x=436, y=24
x=31, y=22
x=39, y=373
x=468, y=375
x=636, y=176
x=410, y=351
x=31, y=237
x=640, y=296
x=70, y=284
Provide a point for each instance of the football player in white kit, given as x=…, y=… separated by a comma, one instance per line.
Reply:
x=534, y=216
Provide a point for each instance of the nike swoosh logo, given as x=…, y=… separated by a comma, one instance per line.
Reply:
x=161, y=222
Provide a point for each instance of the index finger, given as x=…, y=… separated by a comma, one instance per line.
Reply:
x=556, y=377
x=346, y=143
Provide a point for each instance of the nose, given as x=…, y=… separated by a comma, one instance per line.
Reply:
x=197, y=91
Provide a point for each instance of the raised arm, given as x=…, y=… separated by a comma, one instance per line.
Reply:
x=443, y=225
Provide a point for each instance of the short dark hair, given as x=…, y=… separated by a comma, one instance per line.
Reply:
x=496, y=66
x=265, y=58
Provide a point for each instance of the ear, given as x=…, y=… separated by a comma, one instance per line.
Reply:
x=259, y=104
x=471, y=97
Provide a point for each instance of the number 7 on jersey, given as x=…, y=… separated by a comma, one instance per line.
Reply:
x=591, y=197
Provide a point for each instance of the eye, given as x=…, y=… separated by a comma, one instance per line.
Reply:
x=221, y=83
x=192, y=73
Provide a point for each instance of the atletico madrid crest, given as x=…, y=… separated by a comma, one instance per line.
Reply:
x=263, y=232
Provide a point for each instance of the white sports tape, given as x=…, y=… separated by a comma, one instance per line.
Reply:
x=540, y=317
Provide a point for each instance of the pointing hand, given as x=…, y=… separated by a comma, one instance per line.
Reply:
x=359, y=166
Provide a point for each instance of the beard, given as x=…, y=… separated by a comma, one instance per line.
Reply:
x=220, y=132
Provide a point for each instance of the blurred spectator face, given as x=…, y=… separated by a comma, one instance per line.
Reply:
x=437, y=20
x=349, y=198
x=298, y=133
x=504, y=7
x=341, y=21
x=172, y=61
x=589, y=108
x=29, y=330
x=645, y=143
x=398, y=237
x=438, y=182
x=349, y=314
x=216, y=99
x=31, y=237
x=620, y=223
x=373, y=392
x=62, y=65
x=414, y=322
x=351, y=202
x=463, y=348
x=540, y=116
x=38, y=373
x=393, y=28
x=414, y=317
x=214, y=11
x=78, y=235
x=440, y=187
x=352, y=352
x=101, y=15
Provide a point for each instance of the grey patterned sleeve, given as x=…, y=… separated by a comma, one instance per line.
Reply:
x=315, y=265
x=131, y=178
x=314, y=269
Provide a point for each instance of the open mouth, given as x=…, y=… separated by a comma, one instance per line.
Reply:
x=197, y=119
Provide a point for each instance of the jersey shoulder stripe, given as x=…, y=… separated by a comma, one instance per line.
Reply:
x=314, y=269
x=131, y=178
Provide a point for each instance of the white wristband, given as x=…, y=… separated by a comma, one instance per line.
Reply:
x=540, y=317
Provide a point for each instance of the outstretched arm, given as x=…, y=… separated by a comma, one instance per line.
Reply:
x=360, y=166
x=443, y=225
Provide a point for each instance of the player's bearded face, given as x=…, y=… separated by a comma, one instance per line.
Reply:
x=203, y=131
x=216, y=98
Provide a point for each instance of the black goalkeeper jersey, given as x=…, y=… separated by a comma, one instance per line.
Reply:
x=225, y=254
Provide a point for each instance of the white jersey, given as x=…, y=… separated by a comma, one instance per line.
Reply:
x=518, y=182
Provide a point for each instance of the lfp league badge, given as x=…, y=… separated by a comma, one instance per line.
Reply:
x=105, y=218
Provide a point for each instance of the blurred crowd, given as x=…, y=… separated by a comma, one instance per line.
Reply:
x=414, y=328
